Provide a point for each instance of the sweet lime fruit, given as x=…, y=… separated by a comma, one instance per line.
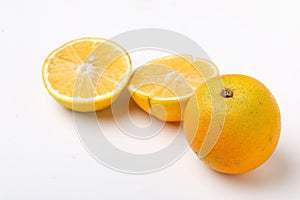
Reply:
x=232, y=123
x=163, y=86
x=86, y=74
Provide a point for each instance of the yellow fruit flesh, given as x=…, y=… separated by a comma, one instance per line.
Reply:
x=249, y=132
x=86, y=74
x=163, y=86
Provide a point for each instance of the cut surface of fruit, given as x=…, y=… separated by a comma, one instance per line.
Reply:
x=87, y=74
x=162, y=86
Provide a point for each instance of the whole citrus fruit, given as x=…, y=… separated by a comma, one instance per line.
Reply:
x=232, y=123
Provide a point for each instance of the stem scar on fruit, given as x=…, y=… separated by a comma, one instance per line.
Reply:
x=227, y=93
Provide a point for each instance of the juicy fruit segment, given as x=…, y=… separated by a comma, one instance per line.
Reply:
x=163, y=86
x=247, y=128
x=86, y=74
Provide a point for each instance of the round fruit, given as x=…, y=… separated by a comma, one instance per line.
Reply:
x=232, y=123
x=87, y=74
x=163, y=86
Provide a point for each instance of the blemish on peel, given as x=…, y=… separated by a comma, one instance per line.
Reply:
x=271, y=139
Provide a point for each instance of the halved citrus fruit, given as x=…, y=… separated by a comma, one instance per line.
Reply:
x=162, y=86
x=87, y=74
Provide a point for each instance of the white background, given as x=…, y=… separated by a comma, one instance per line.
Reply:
x=41, y=154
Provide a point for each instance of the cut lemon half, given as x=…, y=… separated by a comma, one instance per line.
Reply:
x=163, y=86
x=87, y=74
